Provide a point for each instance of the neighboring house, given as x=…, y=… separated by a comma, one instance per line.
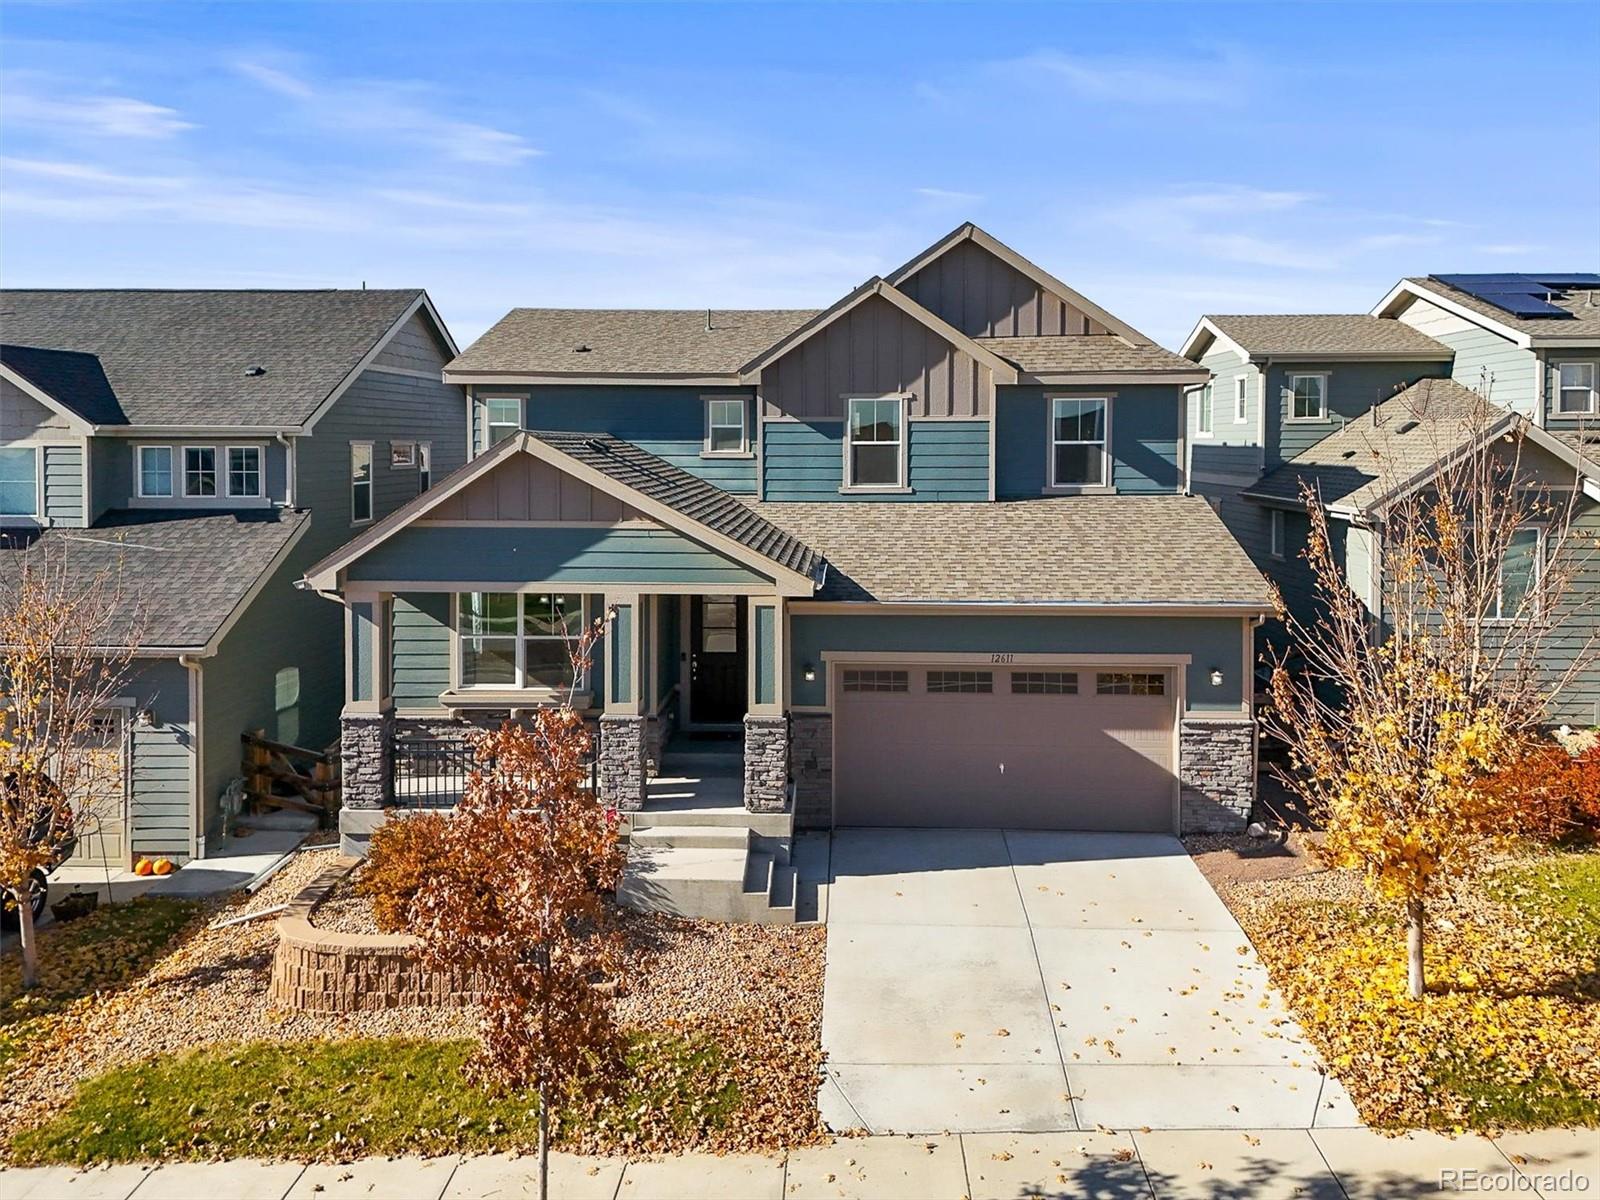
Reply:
x=1362, y=406
x=205, y=447
x=924, y=557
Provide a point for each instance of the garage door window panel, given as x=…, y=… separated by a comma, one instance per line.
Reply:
x=1044, y=683
x=876, y=681
x=966, y=682
x=1124, y=683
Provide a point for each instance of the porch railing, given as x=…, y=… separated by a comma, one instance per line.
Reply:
x=431, y=772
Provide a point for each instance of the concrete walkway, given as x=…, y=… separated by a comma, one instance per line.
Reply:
x=980, y=981
x=1325, y=1164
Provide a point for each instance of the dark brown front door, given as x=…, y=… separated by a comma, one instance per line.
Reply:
x=716, y=659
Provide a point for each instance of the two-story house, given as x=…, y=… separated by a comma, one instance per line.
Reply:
x=921, y=558
x=199, y=449
x=1362, y=407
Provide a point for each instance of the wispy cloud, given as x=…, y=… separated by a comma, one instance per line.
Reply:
x=384, y=109
x=1508, y=249
x=37, y=100
x=948, y=197
x=1217, y=78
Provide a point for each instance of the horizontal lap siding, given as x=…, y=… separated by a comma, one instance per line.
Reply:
x=420, y=649
x=1353, y=389
x=63, y=485
x=947, y=460
x=1484, y=361
x=1578, y=633
x=1144, y=439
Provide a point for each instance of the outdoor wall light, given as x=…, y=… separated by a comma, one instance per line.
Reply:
x=145, y=718
x=1216, y=676
x=808, y=673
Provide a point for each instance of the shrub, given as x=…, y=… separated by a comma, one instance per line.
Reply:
x=402, y=855
x=1557, y=792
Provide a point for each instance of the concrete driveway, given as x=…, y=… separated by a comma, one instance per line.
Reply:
x=986, y=980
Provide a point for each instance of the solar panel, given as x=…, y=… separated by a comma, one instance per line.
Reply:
x=1520, y=295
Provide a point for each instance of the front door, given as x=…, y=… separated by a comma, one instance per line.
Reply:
x=716, y=660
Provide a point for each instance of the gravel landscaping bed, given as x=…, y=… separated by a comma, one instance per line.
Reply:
x=343, y=911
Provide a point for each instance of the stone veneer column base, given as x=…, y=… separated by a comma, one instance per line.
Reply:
x=811, y=758
x=658, y=731
x=1217, y=770
x=766, y=764
x=364, y=762
x=622, y=760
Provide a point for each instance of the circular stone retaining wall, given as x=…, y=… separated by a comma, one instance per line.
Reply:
x=323, y=970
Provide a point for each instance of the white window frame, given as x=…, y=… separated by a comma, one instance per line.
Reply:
x=37, y=515
x=172, y=472
x=1322, y=416
x=743, y=450
x=402, y=455
x=261, y=473
x=902, y=483
x=1592, y=388
x=1241, y=402
x=1275, y=532
x=1050, y=443
x=216, y=475
x=489, y=440
x=424, y=466
x=1498, y=616
x=1205, y=415
x=355, y=484
x=520, y=654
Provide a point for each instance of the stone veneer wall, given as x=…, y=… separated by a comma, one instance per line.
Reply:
x=320, y=970
x=1217, y=773
x=766, y=764
x=622, y=761
x=364, y=763
x=811, y=760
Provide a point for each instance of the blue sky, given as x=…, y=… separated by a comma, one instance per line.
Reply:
x=1166, y=160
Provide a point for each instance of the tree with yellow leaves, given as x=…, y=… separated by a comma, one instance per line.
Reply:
x=1397, y=716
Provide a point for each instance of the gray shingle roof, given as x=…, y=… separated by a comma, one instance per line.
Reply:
x=1088, y=353
x=186, y=571
x=626, y=341
x=1398, y=440
x=1583, y=305
x=685, y=493
x=72, y=378
x=1326, y=333
x=179, y=357
x=1124, y=550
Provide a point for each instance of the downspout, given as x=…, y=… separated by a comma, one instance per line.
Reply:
x=290, y=454
x=197, y=822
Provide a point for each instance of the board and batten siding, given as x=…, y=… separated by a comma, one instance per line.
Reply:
x=946, y=460
x=669, y=422
x=525, y=488
x=1144, y=438
x=876, y=349
x=63, y=486
x=1484, y=361
x=983, y=296
x=1353, y=389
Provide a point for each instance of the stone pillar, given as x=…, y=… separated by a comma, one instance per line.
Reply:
x=766, y=763
x=811, y=757
x=1217, y=772
x=622, y=760
x=365, y=763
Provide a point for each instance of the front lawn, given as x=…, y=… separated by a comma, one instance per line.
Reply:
x=1508, y=1034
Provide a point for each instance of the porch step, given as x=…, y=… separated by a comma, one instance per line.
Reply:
x=705, y=883
x=727, y=816
x=702, y=789
x=704, y=837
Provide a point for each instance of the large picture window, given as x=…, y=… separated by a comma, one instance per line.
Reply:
x=19, y=481
x=155, y=471
x=874, y=441
x=509, y=640
x=1078, y=441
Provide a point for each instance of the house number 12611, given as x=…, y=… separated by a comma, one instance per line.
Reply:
x=1002, y=658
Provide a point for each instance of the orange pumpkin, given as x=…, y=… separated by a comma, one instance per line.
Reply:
x=143, y=867
x=163, y=866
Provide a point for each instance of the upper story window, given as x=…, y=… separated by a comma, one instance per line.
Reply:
x=155, y=471
x=502, y=417
x=1240, y=415
x=1308, y=397
x=244, y=471
x=875, y=442
x=1275, y=534
x=360, y=482
x=509, y=640
x=1204, y=415
x=1520, y=565
x=1078, y=441
x=19, y=481
x=727, y=431
x=1576, y=388
x=199, y=470
x=424, y=466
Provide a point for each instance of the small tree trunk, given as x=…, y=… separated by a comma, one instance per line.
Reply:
x=544, y=1144
x=30, y=949
x=1416, y=982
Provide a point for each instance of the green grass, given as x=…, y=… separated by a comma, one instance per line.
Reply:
x=98, y=953
x=1544, y=1101
x=379, y=1096
x=1560, y=896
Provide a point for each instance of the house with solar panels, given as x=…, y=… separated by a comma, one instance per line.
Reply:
x=1357, y=405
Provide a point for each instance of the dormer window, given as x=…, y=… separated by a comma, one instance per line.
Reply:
x=1575, y=394
x=155, y=471
x=875, y=442
x=200, y=471
x=244, y=471
x=1308, y=397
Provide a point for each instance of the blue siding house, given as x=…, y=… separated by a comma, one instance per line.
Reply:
x=922, y=557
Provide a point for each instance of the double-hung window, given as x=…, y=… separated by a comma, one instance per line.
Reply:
x=502, y=416
x=1275, y=536
x=360, y=481
x=244, y=470
x=726, y=432
x=19, y=481
x=875, y=442
x=1520, y=566
x=1239, y=404
x=199, y=470
x=510, y=640
x=1308, y=397
x=155, y=471
x=424, y=466
x=1576, y=388
x=1205, y=416
x=1078, y=441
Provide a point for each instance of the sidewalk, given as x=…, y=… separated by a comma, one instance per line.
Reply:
x=1323, y=1164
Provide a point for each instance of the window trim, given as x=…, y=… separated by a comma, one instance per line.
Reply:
x=424, y=466
x=521, y=401
x=1132, y=677
x=744, y=450
x=903, y=444
x=370, y=481
x=581, y=686
x=1241, y=400
x=1498, y=617
x=36, y=517
x=216, y=493
x=1276, y=539
x=1108, y=465
x=402, y=455
x=227, y=473
x=1593, y=389
x=1322, y=417
x=172, y=491
x=1205, y=414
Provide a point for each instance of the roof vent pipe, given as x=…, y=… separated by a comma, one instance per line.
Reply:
x=708, y=320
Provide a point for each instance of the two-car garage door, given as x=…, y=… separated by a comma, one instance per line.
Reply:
x=1018, y=747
